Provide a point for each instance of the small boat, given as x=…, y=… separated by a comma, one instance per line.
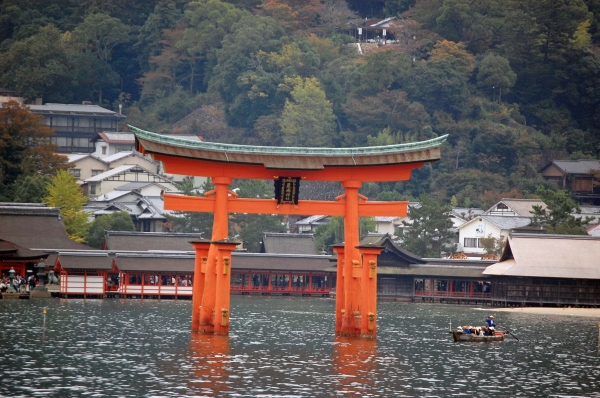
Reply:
x=459, y=335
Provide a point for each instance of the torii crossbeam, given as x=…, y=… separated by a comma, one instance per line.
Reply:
x=356, y=288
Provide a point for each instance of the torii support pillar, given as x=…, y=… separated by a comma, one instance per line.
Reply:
x=368, y=283
x=201, y=247
x=339, y=287
x=223, y=286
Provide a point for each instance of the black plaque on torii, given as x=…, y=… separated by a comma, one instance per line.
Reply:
x=287, y=190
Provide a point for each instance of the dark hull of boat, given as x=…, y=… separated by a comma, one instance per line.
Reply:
x=461, y=336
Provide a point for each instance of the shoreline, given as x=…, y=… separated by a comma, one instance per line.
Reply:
x=587, y=312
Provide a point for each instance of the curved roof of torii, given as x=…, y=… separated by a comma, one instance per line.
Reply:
x=295, y=158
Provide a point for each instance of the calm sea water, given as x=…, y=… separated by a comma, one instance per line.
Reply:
x=285, y=347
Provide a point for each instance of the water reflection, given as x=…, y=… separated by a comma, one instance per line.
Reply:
x=209, y=361
x=355, y=362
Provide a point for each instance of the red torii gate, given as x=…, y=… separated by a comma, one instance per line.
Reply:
x=356, y=288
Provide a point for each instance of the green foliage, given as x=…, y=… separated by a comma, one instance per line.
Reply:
x=65, y=193
x=333, y=232
x=307, y=120
x=557, y=217
x=428, y=232
x=31, y=189
x=251, y=228
x=495, y=72
x=119, y=221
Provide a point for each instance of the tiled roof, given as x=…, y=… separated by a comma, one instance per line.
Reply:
x=549, y=256
x=577, y=166
x=289, y=243
x=116, y=138
x=78, y=260
x=184, y=262
x=507, y=222
x=73, y=109
x=523, y=207
x=121, y=169
x=310, y=220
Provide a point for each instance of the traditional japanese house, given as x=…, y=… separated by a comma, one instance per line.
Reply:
x=85, y=274
x=285, y=274
x=18, y=258
x=38, y=228
x=155, y=274
x=547, y=270
x=404, y=276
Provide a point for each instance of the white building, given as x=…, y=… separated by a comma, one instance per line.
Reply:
x=484, y=226
x=509, y=207
x=110, y=180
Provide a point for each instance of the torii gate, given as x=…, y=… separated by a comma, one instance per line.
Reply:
x=356, y=287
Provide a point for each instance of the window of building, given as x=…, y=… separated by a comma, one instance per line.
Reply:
x=92, y=189
x=75, y=172
x=104, y=150
x=96, y=172
x=471, y=242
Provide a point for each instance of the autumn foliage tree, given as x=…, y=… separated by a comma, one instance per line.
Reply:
x=25, y=147
x=65, y=193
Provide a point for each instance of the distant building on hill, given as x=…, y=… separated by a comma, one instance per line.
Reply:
x=75, y=124
x=577, y=176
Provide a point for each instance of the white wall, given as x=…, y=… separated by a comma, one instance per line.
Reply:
x=476, y=229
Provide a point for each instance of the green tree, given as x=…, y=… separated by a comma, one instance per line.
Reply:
x=44, y=66
x=495, y=72
x=25, y=149
x=65, y=193
x=307, y=120
x=557, y=217
x=428, y=232
x=119, y=221
x=31, y=189
x=251, y=227
x=192, y=222
x=101, y=33
x=333, y=232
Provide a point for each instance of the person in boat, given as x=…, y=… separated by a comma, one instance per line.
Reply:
x=491, y=325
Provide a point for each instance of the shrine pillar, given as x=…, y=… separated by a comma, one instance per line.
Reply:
x=223, y=285
x=368, y=280
x=339, y=287
x=352, y=288
x=201, y=247
x=220, y=231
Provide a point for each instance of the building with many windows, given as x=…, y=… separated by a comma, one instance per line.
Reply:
x=75, y=124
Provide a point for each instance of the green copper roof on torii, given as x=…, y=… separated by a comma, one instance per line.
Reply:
x=290, y=157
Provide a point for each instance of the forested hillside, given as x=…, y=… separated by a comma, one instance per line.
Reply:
x=513, y=83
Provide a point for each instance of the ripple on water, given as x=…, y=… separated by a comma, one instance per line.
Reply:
x=281, y=346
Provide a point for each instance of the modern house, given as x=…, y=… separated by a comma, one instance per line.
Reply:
x=577, y=176
x=75, y=125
